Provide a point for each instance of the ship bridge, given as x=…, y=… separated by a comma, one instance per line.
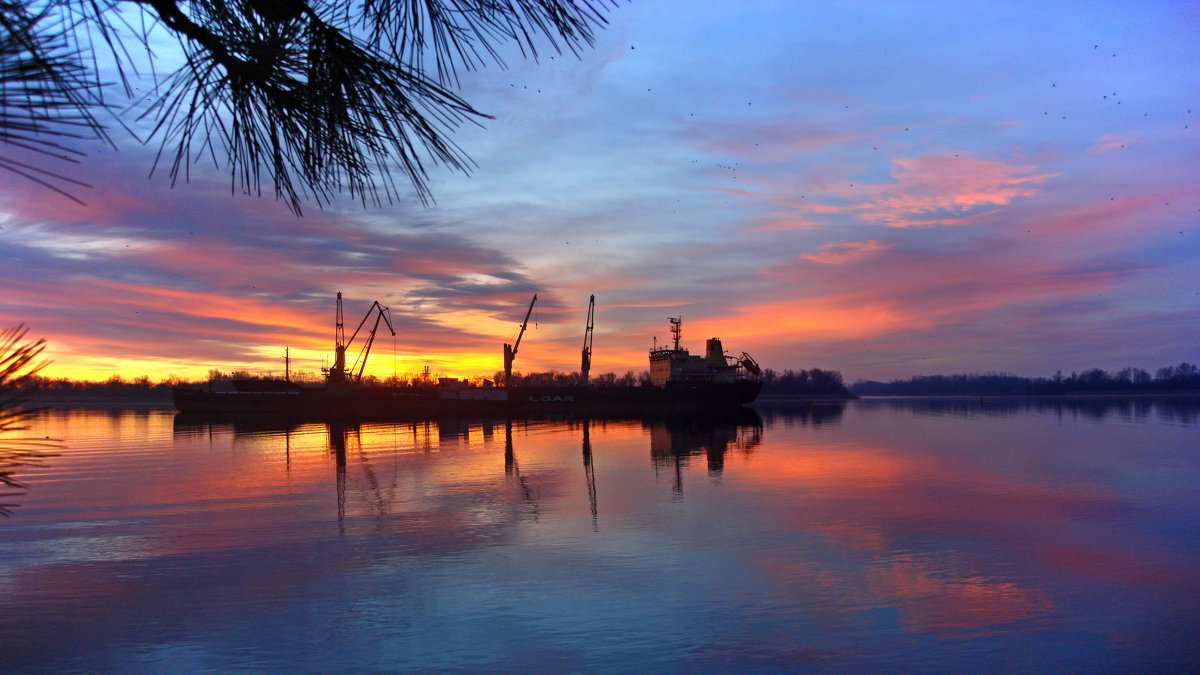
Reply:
x=676, y=364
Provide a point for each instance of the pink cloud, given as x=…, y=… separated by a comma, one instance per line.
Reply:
x=943, y=189
x=844, y=252
x=768, y=141
x=783, y=222
x=929, y=191
x=1117, y=217
x=1111, y=143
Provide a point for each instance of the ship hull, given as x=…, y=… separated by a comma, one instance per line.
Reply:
x=341, y=402
x=399, y=403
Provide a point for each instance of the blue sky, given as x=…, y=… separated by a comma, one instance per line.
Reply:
x=885, y=189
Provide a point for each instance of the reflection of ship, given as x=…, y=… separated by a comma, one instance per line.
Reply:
x=673, y=440
x=802, y=412
x=283, y=398
x=678, y=382
x=355, y=446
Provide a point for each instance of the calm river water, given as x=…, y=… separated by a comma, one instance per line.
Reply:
x=883, y=535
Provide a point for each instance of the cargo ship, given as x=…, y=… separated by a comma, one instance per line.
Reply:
x=679, y=382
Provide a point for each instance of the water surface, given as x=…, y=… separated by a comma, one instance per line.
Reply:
x=909, y=535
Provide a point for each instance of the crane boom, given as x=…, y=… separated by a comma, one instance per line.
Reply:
x=337, y=373
x=524, y=323
x=586, y=364
x=510, y=351
x=383, y=314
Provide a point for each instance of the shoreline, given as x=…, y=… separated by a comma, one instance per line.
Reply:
x=1190, y=393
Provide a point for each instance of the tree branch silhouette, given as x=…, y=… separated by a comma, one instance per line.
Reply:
x=18, y=363
x=306, y=98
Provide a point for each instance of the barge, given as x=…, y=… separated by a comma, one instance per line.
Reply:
x=679, y=383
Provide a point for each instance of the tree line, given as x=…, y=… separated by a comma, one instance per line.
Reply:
x=812, y=382
x=115, y=388
x=1183, y=377
x=557, y=378
x=142, y=388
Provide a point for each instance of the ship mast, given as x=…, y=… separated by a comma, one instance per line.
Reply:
x=676, y=328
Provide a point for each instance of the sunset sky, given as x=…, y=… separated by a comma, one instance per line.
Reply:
x=884, y=189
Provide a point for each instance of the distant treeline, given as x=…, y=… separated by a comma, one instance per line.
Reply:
x=114, y=388
x=557, y=378
x=813, y=382
x=142, y=389
x=1184, y=377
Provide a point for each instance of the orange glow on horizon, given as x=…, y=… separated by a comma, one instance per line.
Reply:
x=816, y=318
x=308, y=363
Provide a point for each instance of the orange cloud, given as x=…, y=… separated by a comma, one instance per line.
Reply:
x=829, y=317
x=195, y=331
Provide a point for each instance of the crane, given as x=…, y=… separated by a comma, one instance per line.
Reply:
x=587, y=340
x=383, y=315
x=510, y=351
x=338, y=372
x=750, y=365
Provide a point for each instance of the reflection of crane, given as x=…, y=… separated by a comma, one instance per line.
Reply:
x=511, y=469
x=589, y=472
x=338, y=372
x=587, y=341
x=510, y=351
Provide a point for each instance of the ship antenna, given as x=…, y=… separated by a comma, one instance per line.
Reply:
x=676, y=328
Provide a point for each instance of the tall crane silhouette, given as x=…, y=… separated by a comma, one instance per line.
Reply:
x=510, y=351
x=337, y=373
x=586, y=364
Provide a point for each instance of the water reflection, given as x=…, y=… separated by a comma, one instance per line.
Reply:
x=512, y=470
x=589, y=473
x=802, y=413
x=1178, y=409
x=674, y=441
x=862, y=537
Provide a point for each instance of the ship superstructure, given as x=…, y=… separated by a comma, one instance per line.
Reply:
x=675, y=364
